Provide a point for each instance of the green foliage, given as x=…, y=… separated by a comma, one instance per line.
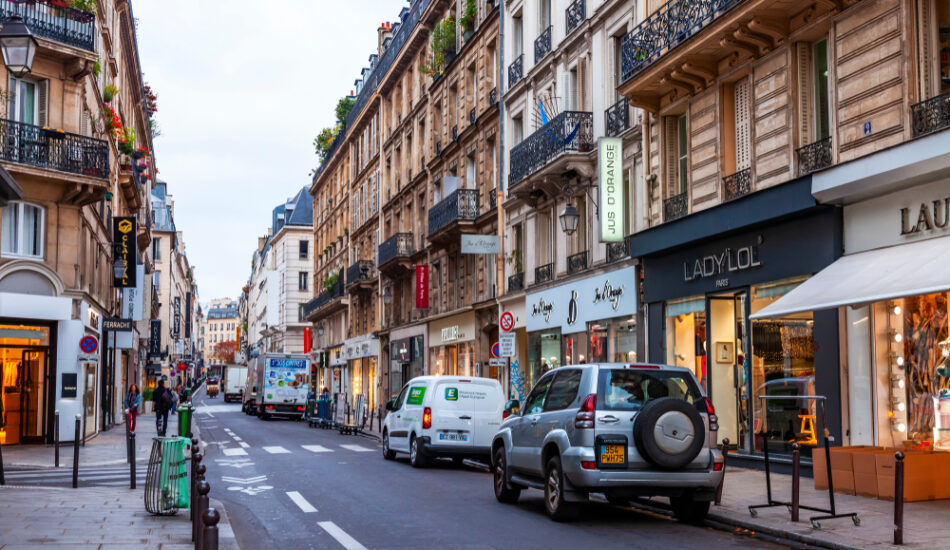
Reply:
x=127, y=140
x=514, y=260
x=330, y=281
x=109, y=92
x=88, y=6
x=441, y=47
x=343, y=108
x=147, y=395
x=468, y=18
x=97, y=68
x=323, y=141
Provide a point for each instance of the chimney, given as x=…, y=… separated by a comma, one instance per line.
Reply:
x=260, y=243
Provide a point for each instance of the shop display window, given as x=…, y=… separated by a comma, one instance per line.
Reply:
x=686, y=335
x=576, y=351
x=544, y=353
x=453, y=360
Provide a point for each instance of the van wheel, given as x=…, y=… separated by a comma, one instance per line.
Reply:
x=558, y=508
x=688, y=510
x=388, y=453
x=416, y=457
x=502, y=491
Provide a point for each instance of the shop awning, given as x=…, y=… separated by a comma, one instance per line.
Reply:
x=866, y=277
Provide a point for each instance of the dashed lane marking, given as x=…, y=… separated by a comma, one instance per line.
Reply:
x=243, y=445
x=357, y=448
x=301, y=502
x=341, y=536
x=276, y=450
x=316, y=449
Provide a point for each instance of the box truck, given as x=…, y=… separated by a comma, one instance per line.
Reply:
x=283, y=382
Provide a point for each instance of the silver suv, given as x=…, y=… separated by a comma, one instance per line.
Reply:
x=622, y=430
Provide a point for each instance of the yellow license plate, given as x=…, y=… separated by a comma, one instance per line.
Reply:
x=613, y=454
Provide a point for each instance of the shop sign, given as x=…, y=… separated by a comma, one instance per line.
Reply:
x=357, y=348
x=506, y=344
x=422, y=287
x=929, y=218
x=188, y=315
x=133, y=298
x=155, y=338
x=69, y=385
x=481, y=244
x=116, y=324
x=721, y=264
x=125, y=251
x=450, y=334
x=571, y=306
x=93, y=320
x=176, y=320
x=307, y=338
x=610, y=165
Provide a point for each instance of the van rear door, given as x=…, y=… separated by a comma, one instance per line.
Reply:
x=453, y=413
x=489, y=404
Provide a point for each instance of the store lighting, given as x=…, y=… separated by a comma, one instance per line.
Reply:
x=900, y=407
x=899, y=361
x=901, y=427
x=897, y=310
x=898, y=337
x=898, y=382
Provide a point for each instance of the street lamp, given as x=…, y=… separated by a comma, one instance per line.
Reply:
x=18, y=45
x=387, y=296
x=569, y=218
x=320, y=329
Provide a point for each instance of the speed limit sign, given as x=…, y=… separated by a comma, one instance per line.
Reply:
x=506, y=321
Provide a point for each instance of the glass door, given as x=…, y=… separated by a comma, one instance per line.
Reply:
x=32, y=404
x=727, y=370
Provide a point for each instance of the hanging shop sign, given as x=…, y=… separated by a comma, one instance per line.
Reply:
x=124, y=243
x=422, y=287
x=155, y=338
x=307, y=338
x=133, y=298
x=116, y=324
x=481, y=244
x=571, y=306
x=611, y=204
x=176, y=319
x=188, y=315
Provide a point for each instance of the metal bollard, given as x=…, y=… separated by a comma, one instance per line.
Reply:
x=723, y=448
x=899, y=498
x=196, y=504
x=128, y=439
x=796, y=478
x=132, y=462
x=203, y=489
x=210, y=519
x=191, y=478
x=56, y=439
x=76, y=454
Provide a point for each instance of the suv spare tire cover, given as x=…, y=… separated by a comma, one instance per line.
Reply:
x=669, y=432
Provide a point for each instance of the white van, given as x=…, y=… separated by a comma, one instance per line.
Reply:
x=450, y=416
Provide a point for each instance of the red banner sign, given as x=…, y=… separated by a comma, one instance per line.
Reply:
x=422, y=287
x=307, y=332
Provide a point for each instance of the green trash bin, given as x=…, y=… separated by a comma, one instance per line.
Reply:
x=166, y=483
x=185, y=414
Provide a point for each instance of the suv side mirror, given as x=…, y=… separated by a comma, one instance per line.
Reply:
x=512, y=407
x=391, y=405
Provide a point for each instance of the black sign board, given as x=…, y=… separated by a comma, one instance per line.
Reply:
x=115, y=324
x=68, y=385
x=187, y=315
x=155, y=338
x=176, y=319
x=402, y=350
x=125, y=252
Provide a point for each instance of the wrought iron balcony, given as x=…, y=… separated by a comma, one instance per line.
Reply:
x=325, y=297
x=493, y=97
x=616, y=251
x=577, y=262
x=676, y=207
x=543, y=273
x=617, y=118
x=360, y=272
x=814, y=156
x=516, y=282
x=397, y=246
x=542, y=44
x=666, y=28
x=516, y=70
x=737, y=185
x=570, y=131
x=60, y=24
x=54, y=150
x=931, y=115
x=575, y=14
x=462, y=205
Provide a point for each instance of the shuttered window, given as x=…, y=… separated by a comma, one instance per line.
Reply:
x=671, y=153
x=683, y=154
x=820, y=77
x=743, y=141
x=29, y=103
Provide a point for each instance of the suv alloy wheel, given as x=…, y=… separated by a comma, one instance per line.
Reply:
x=558, y=508
x=502, y=491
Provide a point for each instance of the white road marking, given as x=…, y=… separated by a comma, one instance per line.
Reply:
x=244, y=481
x=243, y=445
x=357, y=448
x=317, y=449
x=301, y=502
x=251, y=490
x=340, y=535
x=276, y=450
x=236, y=438
x=234, y=452
x=234, y=462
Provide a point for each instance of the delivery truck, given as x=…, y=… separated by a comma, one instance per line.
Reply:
x=235, y=376
x=283, y=382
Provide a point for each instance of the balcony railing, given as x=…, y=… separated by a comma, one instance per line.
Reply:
x=493, y=97
x=542, y=44
x=577, y=262
x=397, y=246
x=575, y=14
x=460, y=205
x=814, y=156
x=363, y=270
x=543, y=273
x=676, y=207
x=569, y=131
x=516, y=282
x=493, y=199
x=32, y=145
x=931, y=115
x=665, y=29
x=325, y=297
x=617, y=118
x=616, y=251
x=737, y=185
x=66, y=25
x=516, y=70
x=455, y=132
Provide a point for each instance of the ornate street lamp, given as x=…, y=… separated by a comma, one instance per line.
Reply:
x=569, y=218
x=387, y=296
x=18, y=46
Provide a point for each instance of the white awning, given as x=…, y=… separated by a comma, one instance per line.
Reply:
x=894, y=272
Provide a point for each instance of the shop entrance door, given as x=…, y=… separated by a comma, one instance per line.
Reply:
x=25, y=382
x=728, y=375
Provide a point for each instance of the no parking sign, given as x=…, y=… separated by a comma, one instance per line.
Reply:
x=89, y=344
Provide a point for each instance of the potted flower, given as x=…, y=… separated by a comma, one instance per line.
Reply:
x=53, y=133
x=467, y=21
x=109, y=92
x=126, y=145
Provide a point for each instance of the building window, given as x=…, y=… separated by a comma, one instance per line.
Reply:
x=23, y=230
x=683, y=153
x=820, y=75
x=157, y=249
x=304, y=250
x=28, y=103
x=303, y=280
x=677, y=154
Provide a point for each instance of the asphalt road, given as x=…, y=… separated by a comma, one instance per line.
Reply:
x=338, y=492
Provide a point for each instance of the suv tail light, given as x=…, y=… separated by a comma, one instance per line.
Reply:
x=585, y=417
x=299, y=408
x=269, y=407
x=426, y=418
x=711, y=411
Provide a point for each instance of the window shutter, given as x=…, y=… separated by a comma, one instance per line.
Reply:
x=743, y=145
x=84, y=123
x=927, y=56
x=582, y=84
x=11, y=99
x=43, y=102
x=671, y=145
x=805, y=92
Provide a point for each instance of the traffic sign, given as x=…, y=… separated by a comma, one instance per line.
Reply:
x=495, y=350
x=498, y=362
x=506, y=321
x=89, y=344
x=506, y=343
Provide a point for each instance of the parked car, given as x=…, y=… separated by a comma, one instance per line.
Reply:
x=622, y=430
x=443, y=416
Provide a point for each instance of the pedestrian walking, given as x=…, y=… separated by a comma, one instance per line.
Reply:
x=132, y=402
x=175, y=398
x=163, y=403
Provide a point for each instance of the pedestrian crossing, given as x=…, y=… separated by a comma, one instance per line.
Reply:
x=245, y=449
x=112, y=476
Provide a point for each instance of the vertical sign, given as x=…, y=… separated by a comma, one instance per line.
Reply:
x=133, y=298
x=187, y=315
x=155, y=338
x=422, y=287
x=123, y=242
x=307, y=335
x=237, y=336
x=610, y=165
x=176, y=322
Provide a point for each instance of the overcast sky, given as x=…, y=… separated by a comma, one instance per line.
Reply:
x=243, y=87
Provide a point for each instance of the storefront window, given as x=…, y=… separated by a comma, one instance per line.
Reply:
x=452, y=360
x=575, y=349
x=686, y=335
x=544, y=353
x=613, y=340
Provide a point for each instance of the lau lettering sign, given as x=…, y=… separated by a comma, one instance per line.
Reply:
x=610, y=159
x=929, y=218
x=422, y=287
x=572, y=306
x=481, y=244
